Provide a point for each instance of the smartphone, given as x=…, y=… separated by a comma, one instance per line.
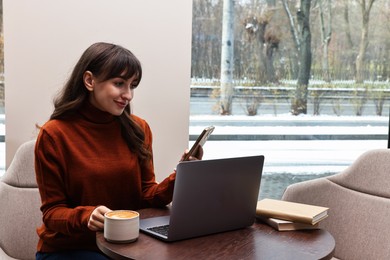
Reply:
x=200, y=141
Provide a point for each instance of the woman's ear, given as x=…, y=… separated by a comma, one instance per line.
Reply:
x=88, y=80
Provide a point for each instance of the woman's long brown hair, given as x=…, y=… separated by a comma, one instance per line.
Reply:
x=105, y=61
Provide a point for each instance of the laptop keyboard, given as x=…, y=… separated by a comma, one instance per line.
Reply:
x=162, y=230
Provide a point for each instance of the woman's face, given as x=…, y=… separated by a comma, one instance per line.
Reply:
x=112, y=95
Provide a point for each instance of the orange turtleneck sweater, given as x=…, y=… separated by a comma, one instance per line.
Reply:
x=82, y=162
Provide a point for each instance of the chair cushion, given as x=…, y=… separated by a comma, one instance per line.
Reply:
x=21, y=172
x=20, y=216
x=20, y=203
x=369, y=174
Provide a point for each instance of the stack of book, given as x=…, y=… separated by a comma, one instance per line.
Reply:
x=284, y=215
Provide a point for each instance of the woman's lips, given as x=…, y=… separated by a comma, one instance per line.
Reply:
x=121, y=104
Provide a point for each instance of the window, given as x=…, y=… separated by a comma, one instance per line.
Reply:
x=346, y=108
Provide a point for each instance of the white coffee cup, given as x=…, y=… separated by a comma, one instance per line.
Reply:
x=121, y=226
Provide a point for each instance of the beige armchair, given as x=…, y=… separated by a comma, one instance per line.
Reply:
x=19, y=203
x=359, y=202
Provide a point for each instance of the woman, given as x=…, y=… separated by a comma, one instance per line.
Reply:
x=93, y=156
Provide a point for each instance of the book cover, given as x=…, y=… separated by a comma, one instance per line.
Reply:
x=285, y=225
x=292, y=211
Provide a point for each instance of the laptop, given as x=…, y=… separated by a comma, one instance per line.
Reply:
x=210, y=196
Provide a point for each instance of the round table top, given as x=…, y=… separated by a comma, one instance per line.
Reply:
x=258, y=241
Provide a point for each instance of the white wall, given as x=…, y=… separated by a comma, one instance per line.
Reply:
x=45, y=38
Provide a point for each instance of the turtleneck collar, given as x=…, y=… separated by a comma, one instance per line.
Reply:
x=95, y=115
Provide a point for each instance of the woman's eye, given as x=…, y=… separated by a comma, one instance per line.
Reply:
x=119, y=83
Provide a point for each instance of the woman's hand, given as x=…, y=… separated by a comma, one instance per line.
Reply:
x=197, y=156
x=96, y=220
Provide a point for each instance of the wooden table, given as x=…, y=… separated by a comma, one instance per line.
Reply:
x=258, y=241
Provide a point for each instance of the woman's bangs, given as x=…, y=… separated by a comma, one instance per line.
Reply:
x=123, y=66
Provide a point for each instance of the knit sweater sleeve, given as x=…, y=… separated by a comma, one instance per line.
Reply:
x=50, y=165
x=154, y=194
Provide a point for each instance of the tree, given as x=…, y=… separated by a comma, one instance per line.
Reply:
x=350, y=48
x=326, y=35
x=299, y=101
x=227, y=58
x=264, y=38
x=295, y=37
x=255, y=63
x=361, y=57
x=206, y=45
x=255, y=27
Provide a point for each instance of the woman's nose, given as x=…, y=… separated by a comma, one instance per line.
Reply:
x=128, y=93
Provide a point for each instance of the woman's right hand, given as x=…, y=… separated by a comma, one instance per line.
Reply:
x=96, y=220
